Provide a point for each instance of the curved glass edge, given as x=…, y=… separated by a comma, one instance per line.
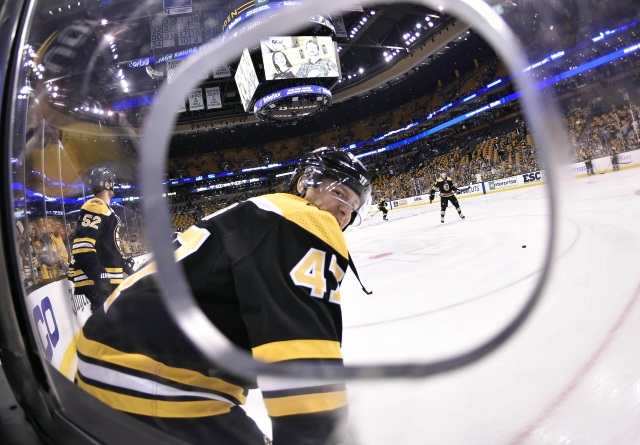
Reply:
x=176, y=293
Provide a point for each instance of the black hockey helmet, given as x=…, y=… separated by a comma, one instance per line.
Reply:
x=342, y=166
x=97, y=177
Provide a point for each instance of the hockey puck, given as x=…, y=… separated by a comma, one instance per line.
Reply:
x=523, y=246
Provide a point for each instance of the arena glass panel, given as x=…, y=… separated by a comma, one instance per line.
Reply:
x=65, y=125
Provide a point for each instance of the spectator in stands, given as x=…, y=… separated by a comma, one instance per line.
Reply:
x=25, y=252
x=32, y=254
x=41, y=254
x=46, y=255
x=42, y=229
x=59, y=248
x=125, y=245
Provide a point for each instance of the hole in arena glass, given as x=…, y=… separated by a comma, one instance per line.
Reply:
x=473, y=144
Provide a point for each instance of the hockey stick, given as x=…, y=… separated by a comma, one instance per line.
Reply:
x=603, y=171
x=375, y=213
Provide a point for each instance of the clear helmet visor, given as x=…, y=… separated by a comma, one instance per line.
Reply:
x=341, y=195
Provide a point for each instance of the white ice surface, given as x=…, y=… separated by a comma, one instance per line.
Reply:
x=571, y=375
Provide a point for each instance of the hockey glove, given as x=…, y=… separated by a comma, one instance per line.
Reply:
x=102, y=290
x=127, y=265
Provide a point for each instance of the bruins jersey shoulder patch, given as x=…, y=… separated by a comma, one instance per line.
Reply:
x=96, y=205
x=296, y=209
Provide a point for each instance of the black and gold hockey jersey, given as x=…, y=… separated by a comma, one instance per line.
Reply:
x=95, y=247
x=445, y=186
x=382, y=204
x=267, y=273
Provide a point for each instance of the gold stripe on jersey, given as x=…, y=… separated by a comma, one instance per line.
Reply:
x=96, y=205
x=75, y=273
x=296, y=210
x=306, y=403
x=69, y=362
x=156, y=408
x=83, y=250
x=139, y=362
x=211, y=215
x=83, y=283
x=190, y=241
x=113, y=269
x=128, y=282
x=297, y=349
x=84, y=240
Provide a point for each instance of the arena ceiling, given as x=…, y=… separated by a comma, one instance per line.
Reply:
x=113, y=71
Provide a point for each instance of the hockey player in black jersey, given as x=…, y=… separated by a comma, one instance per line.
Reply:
x=615, y=162
x=382, y=207
x=446, y=187
x=267, y=273
x=97, y=265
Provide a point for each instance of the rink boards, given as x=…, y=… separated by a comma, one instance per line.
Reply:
x=626, y=160
x=56, y=324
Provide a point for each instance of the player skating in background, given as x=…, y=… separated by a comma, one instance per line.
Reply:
x=267, y=274
x=446, y=187
x=382, y=207
x=615, y=163
x=585, y=153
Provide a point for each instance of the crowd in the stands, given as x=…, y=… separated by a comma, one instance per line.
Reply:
x=494, y=147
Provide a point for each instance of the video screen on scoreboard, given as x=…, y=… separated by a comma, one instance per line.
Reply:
x=246, y=79
x=299, y=57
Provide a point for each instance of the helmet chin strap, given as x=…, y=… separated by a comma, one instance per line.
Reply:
x=352, y=265
x=354, y=215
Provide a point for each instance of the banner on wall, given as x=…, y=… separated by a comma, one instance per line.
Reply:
x=55, y=324
x=213, y=97
x=172, y=67
x=222, y=71
x=503, y=183
x=469, y=189
x=57, y=316
x=196, y=101
x=338, y=24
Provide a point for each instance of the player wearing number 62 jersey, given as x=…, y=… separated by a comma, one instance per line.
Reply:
x=267, y=273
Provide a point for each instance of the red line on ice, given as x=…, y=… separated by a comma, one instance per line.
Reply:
x=380, y=255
